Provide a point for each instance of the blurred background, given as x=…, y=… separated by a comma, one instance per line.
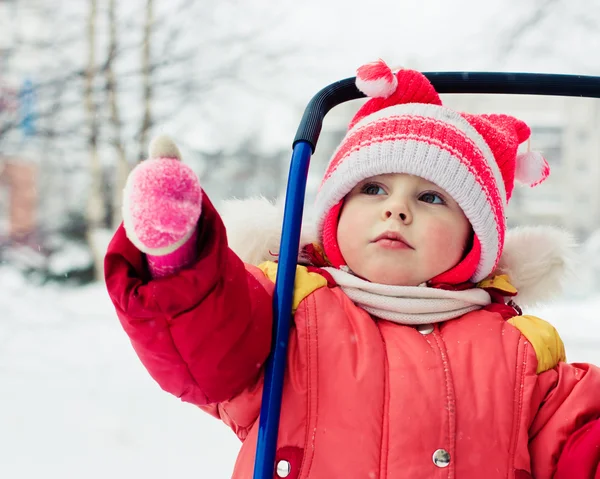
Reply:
x=86, y=84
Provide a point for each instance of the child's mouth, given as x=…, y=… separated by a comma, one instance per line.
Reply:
x=392, y=244
x=392, y=240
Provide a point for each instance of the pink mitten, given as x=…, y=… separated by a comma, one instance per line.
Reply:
x=162, y=202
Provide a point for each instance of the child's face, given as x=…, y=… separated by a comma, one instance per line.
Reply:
x=401, y=230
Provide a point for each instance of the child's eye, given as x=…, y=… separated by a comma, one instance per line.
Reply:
x=372, y=189
x=432, y=198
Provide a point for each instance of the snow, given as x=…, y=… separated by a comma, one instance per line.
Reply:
x=73, y=255
x=77, y=403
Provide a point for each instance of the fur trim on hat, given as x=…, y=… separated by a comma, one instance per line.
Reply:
x=537, y=259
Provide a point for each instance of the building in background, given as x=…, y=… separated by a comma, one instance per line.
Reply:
x=18, y=170
x=564, y=129
x=19, y=199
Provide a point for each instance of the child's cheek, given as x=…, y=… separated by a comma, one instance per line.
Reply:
x=444, y=243
x=351, y=221
x=348, y=228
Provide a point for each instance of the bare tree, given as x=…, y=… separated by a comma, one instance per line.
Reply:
x=122, y=166
x=159, y=66
x=146, y=79
x=95, y=206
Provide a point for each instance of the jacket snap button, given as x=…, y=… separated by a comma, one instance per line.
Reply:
x=441, y=458
x=425, y=328
x=284, y=468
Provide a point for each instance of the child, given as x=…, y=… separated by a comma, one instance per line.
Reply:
x=408, y=357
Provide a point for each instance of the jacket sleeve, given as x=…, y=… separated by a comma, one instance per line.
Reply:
x=565, y=432
x=204, y=333
x=581, y=455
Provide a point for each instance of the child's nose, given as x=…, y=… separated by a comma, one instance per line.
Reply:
x=400, y=210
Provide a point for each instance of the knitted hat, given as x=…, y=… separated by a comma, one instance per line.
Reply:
x=404, y=128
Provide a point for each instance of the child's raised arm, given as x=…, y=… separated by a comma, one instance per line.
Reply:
x=197, y=316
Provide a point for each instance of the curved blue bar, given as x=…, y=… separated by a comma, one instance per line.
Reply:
x=282, y=308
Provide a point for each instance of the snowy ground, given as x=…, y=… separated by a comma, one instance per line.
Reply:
x=77, y=404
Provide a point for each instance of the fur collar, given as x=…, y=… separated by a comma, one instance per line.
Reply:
x=538, y=259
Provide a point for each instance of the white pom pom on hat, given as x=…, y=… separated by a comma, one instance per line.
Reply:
x=376, y=80
x=531, y=168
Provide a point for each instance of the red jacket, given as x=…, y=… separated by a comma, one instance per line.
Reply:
x=362, y=397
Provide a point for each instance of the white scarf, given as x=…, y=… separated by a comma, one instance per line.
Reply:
x=409, y=304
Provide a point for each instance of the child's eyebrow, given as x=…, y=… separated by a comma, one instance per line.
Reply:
x=373, y=179
x=378, y=178
x=432, y=186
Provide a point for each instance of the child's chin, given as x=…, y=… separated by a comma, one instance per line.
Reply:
x=393, y=278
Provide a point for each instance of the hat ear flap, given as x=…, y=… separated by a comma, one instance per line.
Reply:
x=531, y=168
x=511, y=125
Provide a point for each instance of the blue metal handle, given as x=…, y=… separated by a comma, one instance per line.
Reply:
x=282, y=307
x=304, y=145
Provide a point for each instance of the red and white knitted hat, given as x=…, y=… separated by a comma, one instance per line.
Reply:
x=404, y=128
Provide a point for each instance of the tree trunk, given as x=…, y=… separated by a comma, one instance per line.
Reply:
x=146, y=78
x=95, y=206
x=122, y=167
